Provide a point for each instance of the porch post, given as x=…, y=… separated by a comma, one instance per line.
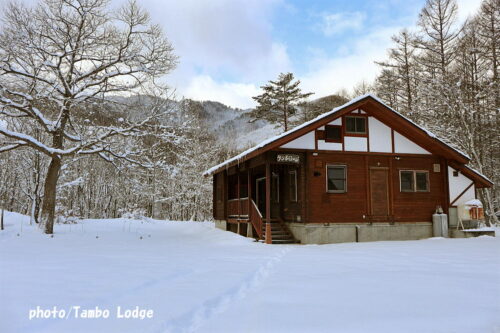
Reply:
x=249, y=192
x=268, y=203
x=238, y=189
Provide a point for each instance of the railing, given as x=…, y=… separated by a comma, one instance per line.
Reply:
x=256, y=219
x=237, y=208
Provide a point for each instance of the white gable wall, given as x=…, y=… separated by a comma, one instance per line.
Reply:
x=405, y=146
x=458, y=185
x=322, y=145
x=306, y=141
x=379, y=136
x=354, y=143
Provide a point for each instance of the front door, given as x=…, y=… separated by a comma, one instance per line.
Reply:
x=260, y=195
x=379, y=192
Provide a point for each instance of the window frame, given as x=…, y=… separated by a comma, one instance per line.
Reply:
x=427, y=181
x=414, y=188
x=344, y=167
x=275, y=177
x=365, y=119
x=339, y=140
x=293, y=195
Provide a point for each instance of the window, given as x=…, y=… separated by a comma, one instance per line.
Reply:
x=355, y=125
x=333, y=133
x=336, y=178
x=406, y=181
x=422, y=181
x=292, y=175
x=414, y=181
x=275, y=186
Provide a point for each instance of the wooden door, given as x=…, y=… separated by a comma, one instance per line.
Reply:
x=260, y=195
x=379, y=192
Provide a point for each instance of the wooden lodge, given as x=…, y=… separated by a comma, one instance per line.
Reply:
x=360, y=172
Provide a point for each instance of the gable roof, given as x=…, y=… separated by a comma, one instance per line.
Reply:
x=378, y=109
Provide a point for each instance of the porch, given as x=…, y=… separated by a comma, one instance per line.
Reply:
x=262, y=198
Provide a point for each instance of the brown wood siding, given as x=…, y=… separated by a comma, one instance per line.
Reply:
x=326, y=207
x=418, y=206
x=354, y=205
x=219, y=195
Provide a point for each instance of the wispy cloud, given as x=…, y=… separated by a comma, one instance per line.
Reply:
x=204, y=88
x=338, y=23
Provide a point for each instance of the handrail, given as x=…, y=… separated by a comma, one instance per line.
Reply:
x=236, y=199
x=257, y=209
x=256, y=219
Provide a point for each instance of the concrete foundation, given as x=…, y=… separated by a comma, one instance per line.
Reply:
x=452, y=217
x=321, y=233
x=327, y=233
x=454, y=233
x=221, y=224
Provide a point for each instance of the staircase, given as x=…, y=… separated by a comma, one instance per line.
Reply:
x=280, y=234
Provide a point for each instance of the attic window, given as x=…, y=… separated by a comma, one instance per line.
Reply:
x=333, y=133
x=355, y=125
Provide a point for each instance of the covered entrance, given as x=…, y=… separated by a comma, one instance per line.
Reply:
x=264, y=195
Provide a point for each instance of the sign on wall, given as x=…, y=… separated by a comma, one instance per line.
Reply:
x=288, y=158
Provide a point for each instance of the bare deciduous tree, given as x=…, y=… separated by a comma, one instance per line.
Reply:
x=61, y=56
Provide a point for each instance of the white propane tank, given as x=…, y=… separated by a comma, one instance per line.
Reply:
x=440, y=225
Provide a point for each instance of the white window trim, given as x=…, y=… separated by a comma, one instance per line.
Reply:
x=345, y=178
x=414, y=178
x=365, y=119
x=294, y=173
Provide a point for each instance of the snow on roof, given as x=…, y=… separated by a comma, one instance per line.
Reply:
x=429, y=133
x=479, y=173
x=264, y=143
x=474, y=202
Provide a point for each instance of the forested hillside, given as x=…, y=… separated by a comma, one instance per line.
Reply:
x=80, y=137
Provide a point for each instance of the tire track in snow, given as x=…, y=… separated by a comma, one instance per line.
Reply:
x=194, y=319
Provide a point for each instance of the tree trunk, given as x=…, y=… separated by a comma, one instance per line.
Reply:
x=49, y=197
x=1, y=220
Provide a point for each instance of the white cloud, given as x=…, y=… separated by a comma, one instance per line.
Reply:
x=353, y=66
x=223, y=40
x=230, y=38
x=203, y=87
x=467, y=8
x=337, y=23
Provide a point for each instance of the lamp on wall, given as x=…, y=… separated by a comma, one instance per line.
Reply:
x=397, y=158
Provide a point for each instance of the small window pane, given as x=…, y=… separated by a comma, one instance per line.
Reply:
x=336, y=179
x=406, y=181
x=350, y=124
x=333, y=133
x=360, y=125
x=355, y=125
x=335, y=185
x=422, y=181
x=336, y=173
x=275, y=184
x=293, y=186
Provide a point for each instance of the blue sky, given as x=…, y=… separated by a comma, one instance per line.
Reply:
x=229, y=48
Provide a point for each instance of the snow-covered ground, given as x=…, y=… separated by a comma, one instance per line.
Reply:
x=196, y=278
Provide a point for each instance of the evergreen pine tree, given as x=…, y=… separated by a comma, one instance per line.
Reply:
x=279, y=100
